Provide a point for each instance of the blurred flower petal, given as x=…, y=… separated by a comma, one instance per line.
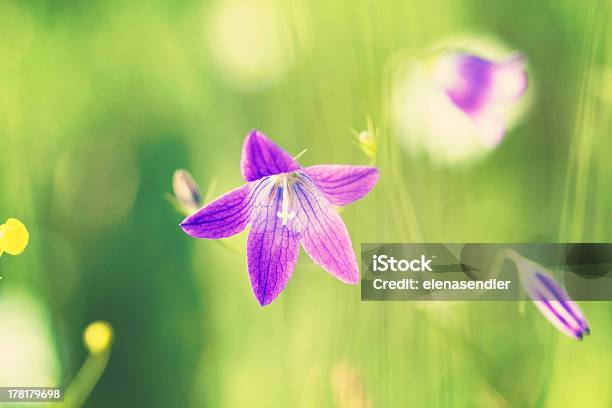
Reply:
x=474, y=83
x=457, y=105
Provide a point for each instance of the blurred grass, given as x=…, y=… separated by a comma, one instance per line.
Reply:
x=101, y=101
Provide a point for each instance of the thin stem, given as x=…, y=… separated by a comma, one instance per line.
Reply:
x=506, y=254
x=404, y=199
x=86, y=379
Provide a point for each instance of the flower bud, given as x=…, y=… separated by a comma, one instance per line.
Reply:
x=98, y=337
x=14, y=237
x=186, y=191
x=550, y=298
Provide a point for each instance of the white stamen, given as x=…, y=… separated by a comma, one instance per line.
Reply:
x=285, y=214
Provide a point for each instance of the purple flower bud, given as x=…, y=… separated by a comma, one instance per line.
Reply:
x=186, y=191
x=550, y=298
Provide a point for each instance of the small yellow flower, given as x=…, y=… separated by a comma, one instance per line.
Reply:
x=98, y=337
x=14, y=237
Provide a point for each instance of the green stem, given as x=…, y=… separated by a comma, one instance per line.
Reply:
x=86, y=379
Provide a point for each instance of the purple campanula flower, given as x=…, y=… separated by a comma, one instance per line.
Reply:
x=286, y=205
x=456, y=103
x=482, y=88
x=550, y=298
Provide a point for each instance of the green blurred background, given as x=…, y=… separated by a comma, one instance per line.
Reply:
x=100, y=101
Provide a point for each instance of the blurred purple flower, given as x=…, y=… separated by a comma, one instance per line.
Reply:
x=482, y=88
x=286, y=205
x=457, y=102
x=550, y=298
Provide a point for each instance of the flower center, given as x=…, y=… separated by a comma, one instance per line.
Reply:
x=285, y=214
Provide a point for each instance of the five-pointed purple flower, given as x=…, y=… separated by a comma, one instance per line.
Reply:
x=286, y=205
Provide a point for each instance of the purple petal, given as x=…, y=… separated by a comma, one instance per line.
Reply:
x=566, y=309
x=476, y=84
x=557, y=315
x=471, y=84
x=224, y=217
x=550, y=297
x=343, y=184
x=272, y=251
x=262, y=157
x=324, y=235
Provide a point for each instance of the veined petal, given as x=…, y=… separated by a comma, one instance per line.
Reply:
x=343, y=184
x=556, y=313
x=550, y=298
x=324, y=235
x=554, y=300
x=262, y=157
x=225, y=216
x=272, y=249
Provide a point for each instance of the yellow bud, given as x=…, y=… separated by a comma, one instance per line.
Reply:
x=366, y=137
x=98, y=337
x=366, y=142
x=14, y=237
